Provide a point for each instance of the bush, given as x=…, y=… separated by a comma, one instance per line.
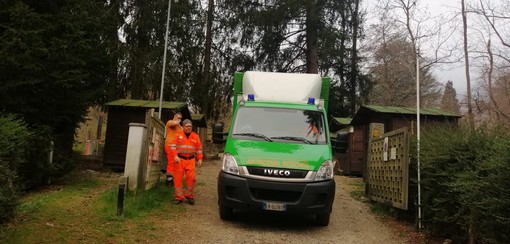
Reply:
x=37, y=169
x=8, y=192
x=465, y=186
x=14, y=138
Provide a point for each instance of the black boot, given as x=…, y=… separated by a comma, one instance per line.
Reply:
x=169, y=179
x=191, y=201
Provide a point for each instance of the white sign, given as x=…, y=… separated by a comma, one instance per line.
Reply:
x=393, y=153
x=385, y=150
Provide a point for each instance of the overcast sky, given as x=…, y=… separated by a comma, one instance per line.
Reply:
x=454, y=72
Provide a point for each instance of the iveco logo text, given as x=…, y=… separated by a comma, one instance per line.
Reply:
x=276, y=172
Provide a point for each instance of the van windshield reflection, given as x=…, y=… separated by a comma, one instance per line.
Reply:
x=280, y=124
x=254, y=135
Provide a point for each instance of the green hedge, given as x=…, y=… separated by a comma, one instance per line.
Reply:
x=25, y=162
x=14, y=142
x=465, y=179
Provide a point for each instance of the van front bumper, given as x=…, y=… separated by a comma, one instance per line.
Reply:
x=297, y=197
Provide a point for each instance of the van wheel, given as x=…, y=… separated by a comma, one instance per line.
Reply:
x=322, y=219
x=226, y=213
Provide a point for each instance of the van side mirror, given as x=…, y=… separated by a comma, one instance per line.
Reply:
x=218, y=134
x=340, y=144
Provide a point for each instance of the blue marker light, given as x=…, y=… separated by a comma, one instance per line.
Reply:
x=251, y=97
x=311, y=100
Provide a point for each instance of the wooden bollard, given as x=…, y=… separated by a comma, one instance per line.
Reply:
x=123, y=180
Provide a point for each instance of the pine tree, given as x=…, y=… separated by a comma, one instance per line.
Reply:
x=449, y=101
x=394, y=83
x=54, y=63
x=313, y=36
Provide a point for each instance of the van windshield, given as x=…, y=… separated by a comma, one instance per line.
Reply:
x=280, y=124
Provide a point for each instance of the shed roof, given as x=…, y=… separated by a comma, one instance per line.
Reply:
x=365, y=110
x=199, y=120
x=343, y=121
x=337, y=123
x=146, y=104
x=174, y=106
x=410, y=110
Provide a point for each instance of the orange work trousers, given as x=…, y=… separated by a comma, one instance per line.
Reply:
x=170, y=161
x=184, y=167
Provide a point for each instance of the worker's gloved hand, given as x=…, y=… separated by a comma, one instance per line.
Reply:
x=199, y=163
x=177, y=160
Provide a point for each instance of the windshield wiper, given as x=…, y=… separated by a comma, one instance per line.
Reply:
x=293, y=138
x=253, y=135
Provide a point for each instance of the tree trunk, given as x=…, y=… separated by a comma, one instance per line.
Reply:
x=207, y=59
x=354, y=57
x=472, y=225
x=489, y=81
x=113, y=85
x=139, y=48
x=344, y=29
x=466, y=60
x=312, y=24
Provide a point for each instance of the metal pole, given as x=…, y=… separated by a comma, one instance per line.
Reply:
x=164, y=60
x=120, y=199
x=418, y=133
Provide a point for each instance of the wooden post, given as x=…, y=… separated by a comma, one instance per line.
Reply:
x=123, y=180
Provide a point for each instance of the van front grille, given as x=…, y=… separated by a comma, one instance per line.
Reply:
x=275, y=195
x=278, y=173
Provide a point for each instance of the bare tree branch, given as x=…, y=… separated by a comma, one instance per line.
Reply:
x=491, y=23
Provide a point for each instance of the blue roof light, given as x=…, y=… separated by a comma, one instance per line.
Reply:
x=311, y=100
x=251, y=97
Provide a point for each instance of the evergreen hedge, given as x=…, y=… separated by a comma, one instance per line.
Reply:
x=465, y=179
x=14, y=142
x=24, y=161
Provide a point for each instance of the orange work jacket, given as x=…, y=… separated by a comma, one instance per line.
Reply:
x=185, y=147
x=171, y=131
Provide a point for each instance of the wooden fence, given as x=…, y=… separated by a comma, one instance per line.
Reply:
x=388, y=168
x=153, y=151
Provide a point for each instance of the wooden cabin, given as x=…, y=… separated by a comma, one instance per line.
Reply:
x=354, y=159
x=124, y=111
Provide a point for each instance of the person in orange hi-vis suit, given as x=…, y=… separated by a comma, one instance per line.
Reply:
x=172, y=127
x=186, y=149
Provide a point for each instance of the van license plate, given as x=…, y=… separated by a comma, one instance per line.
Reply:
x=273, y=206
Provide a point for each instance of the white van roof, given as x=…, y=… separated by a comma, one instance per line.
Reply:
x=282, y=87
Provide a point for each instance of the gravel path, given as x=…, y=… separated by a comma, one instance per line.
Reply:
x=351, y=221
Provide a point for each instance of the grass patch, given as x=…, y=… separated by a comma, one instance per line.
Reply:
x=358, y=192
x=74, y=186
x=136, y=205
x=381, y=209
x=83, y=208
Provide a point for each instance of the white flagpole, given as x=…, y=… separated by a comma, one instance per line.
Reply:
x=418, y=133
x=164, y=61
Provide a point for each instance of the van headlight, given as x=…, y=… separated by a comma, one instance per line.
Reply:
x=230, y=164
x=325, y=172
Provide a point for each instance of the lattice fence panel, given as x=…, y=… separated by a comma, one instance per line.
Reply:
x=388, y=168
x=153, y=149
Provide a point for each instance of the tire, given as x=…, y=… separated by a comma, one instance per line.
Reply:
x=226, y=213
x=322, y=219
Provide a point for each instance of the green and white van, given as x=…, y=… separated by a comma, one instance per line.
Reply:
x=278, y=155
